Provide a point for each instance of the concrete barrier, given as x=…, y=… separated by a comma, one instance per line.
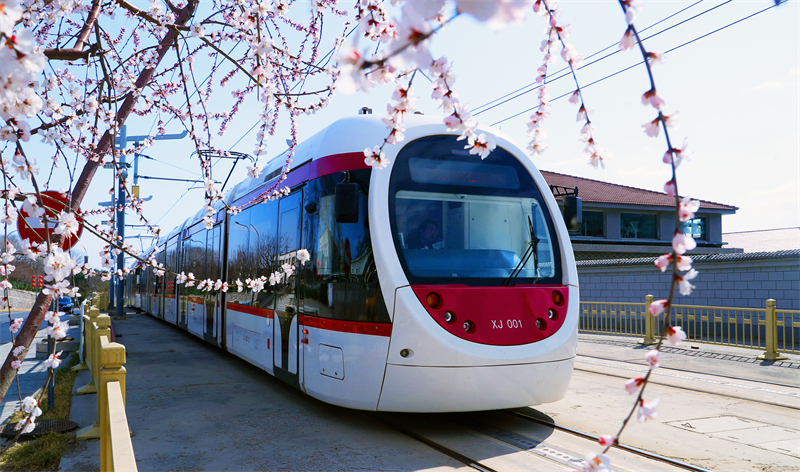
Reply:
x=20, y=299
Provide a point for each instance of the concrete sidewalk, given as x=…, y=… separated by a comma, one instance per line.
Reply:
x=192, y=407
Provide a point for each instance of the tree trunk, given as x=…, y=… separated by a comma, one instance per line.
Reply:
x=40, y=307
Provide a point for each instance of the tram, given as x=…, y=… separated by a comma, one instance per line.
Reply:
x=441, y=283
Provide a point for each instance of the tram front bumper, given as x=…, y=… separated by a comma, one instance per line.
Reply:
x=477, y=388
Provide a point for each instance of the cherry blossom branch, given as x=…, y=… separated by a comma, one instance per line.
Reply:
x=681, y=243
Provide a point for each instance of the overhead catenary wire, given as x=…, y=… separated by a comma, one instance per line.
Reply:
x=537, y=86
x=638, y=63
x=475, y=110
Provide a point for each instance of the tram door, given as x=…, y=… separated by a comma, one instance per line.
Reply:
x=286, y=327
x=213, y=301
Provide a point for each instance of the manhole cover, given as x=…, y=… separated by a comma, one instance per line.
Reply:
x=42, y=427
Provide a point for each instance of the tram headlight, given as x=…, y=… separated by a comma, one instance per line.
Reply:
x=449, y=316
x=552, y=314
x=468, y=326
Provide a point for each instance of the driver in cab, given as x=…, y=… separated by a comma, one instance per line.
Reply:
x=426, y=237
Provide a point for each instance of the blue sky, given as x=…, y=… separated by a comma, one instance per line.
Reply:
x=736, y=90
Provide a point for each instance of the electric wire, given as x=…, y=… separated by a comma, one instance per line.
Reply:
x=596, y=53
x=636, y=64
x=594, y=61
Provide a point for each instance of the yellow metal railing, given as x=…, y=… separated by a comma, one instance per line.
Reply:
x=766, y=328
x=105, y=360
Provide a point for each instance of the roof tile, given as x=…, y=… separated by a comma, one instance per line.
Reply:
x=596, y=191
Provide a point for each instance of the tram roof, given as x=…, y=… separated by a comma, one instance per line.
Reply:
x=345, y=135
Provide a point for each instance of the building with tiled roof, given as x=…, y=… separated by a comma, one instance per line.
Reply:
x=624, y=222
x=768, y=240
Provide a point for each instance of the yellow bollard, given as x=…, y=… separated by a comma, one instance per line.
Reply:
x=96, y=299
x=113, y=358
x=83, y=365
x=90, y=348
x=771, y=354
x=649, y=323
x=102, y=335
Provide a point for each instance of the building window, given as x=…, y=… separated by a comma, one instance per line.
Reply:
x=638, y=226
x=592, y=225
x=695, y=228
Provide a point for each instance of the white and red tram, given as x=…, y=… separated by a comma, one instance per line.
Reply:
x=379, y=319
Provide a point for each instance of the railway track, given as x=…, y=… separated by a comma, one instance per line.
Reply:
x=624, y=447
x=768, y=382
x=794, y=392
x=463, y=429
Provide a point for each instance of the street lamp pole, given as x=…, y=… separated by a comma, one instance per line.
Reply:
x=121, y=142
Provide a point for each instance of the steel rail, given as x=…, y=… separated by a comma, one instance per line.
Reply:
x=744, y=379
x=697, y=390
x=624, y=447
x=433, y=445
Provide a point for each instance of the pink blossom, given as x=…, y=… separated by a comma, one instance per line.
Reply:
x=656, y=58
x=628, y=41
x=15, y=325
x=663, y=261
x=375, y=158
x=607, y=440
x=31, y=405
x=58, y=330
x=632, y=385
x=651, y=98
x=652, y=358
x=596, y=463
x=631, y=8
x=575, y=98
x=30, y=425
x=16, y=364
x=651, y=128
x=583, y=112
x=671, y=121
x=684, y=263
x=676, y=155
x=675, y=335
x=647, y=411
x=683, y=282
x=682, y=243
x=687, y=208
x=669, y=188
x=53, y=361
x=657, y=307
x=496, y=14
x=481, y=145
x=303, y=256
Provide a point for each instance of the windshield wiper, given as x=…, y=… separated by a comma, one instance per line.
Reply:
x=531, y=250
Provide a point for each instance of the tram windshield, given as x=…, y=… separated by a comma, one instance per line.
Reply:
x=459, y=219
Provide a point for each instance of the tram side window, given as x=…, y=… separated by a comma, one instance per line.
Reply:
x=241, y=263
x=262, y=248
x=172, y=264
x=340, y=281
x=194, y=259
x=159, y=281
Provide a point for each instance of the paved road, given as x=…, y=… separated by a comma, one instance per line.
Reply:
x=5, y=334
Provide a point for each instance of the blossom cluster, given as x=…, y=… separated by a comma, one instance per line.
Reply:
x=558, y=32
